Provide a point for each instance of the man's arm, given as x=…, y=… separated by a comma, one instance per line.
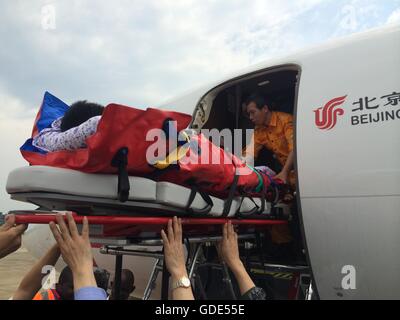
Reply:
x=174, y=258
x=284, y=174
x=288, y=131
x=229, y=252
x=32, y=282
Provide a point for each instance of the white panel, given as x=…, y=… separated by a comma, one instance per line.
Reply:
x=362, y=232
x=349, y=176
x=72, y=182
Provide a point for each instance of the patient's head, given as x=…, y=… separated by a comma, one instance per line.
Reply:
x=79, y=112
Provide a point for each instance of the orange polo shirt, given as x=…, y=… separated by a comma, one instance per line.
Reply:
x=277, y=137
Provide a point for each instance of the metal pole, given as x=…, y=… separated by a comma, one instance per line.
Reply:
x=309, y=292
x=153, y=278
x=165, y=282
x=194, y=260
x=228, y=281
x=107, y=250
x=117, y=277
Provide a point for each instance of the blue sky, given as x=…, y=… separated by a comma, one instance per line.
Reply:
x=142, y=52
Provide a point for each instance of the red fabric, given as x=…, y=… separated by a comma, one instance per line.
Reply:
x=120, y=126
x=214, y=178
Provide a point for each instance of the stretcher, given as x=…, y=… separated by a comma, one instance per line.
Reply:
x=138, y=220
x=149, y=206
x=92, y=194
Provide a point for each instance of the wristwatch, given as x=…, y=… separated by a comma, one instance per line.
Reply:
x=183, y=282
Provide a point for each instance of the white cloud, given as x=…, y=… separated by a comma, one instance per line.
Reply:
x=394, y=17
x=12, y=108
x=16, y=122
x=13, y=133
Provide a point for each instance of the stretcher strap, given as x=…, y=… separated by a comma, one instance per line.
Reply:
x=252, y=211
x=256, y=209
x=263, y=193
x=232, y=191
x=120, y=161
x=206, y=210
x=171, y=158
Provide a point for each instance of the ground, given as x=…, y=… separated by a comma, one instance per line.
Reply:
x=12, y=270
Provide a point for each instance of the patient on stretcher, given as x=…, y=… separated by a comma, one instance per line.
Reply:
x=70, y=131
x=70, y=127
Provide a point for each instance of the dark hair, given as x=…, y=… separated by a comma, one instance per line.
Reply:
x=128, y=275
x=79, y=112
x=66, y=276
x=258, y=99
x=102, y=277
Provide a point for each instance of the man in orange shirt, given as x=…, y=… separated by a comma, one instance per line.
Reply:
x=274, y=131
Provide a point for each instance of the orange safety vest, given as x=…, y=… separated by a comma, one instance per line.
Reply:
x=50, y=294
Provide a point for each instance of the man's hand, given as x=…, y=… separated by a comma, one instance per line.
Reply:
x=75, y=250
x=174, y=258
x=10, y=236
x=173, y=249
x=283, y=175
x=228, y=249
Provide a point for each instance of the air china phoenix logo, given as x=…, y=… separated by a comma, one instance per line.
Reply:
x=326, y=117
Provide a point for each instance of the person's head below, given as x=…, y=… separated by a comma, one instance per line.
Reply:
x=65, y=285
x=127, y=285
x=257, y=109
x=102, y=277
x=79, y=112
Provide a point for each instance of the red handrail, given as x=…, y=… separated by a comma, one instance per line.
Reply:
x=41, y=218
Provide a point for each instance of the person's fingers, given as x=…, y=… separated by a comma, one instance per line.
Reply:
x=235, y=236
x=56, y=233
x=20, y=229
x=10, y=219
x=177, y=229
x=164, y=237
x=72, y=226
x=171, y=236
x=85, y=228
x=229, y=230
x=225, y=231
x=11, y=248
x=8, y=223
x=63, y=227
x=174, y=224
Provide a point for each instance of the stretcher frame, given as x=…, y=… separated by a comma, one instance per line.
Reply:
x=114, y=245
